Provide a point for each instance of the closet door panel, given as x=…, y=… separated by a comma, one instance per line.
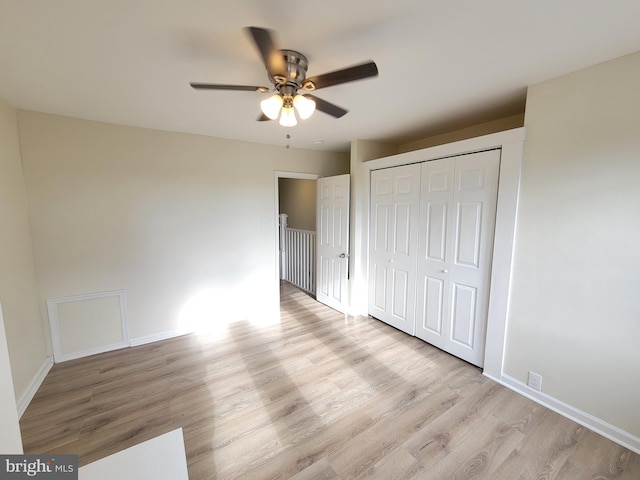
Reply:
x=463, y=315
x=467, y=239
x=437, y=214
x=463, y=190
x=393, y=240
x=435, y=243
x=379, y=288
x=432, y=298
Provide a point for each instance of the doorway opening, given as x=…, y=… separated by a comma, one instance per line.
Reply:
x=296, y=232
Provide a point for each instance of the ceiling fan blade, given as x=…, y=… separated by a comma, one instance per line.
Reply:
x=357, y=72
x=217, y=86
x=263, y=118
x=271, y=56
x=327, y=107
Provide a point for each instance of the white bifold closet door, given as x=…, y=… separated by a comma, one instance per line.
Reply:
x=395, y=194
x=455, y=243
x=446, y=260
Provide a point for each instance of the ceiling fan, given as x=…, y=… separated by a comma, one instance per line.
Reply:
x=287, y=71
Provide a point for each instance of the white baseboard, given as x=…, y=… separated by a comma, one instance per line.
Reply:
x=585, y=419
x=65, y=357
x=26, y=397
x=156, y=337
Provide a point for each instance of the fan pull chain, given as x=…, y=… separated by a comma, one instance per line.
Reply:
x=288, y=136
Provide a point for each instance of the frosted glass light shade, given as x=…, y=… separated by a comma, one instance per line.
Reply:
x=304, y=106
x=288, y=117
x=271, y=106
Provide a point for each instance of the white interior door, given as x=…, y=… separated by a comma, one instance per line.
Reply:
x=456, y=227
x=333, y=241
x=393, y=245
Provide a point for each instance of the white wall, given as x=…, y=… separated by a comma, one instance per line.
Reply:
x=18, y=291
x=575, y=305
x=175, y=220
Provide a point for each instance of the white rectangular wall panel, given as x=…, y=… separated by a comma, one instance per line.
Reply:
x=84, y=325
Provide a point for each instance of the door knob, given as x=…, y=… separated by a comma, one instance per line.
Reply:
x=445, y=271
x=343, y=255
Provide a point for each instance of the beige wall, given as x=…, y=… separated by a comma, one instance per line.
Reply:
x=575, y=308
x=18, y=291
x=298, y=201
x=494, y=126
x=368, y=150
x=184, y=224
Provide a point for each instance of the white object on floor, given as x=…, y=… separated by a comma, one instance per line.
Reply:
x=161, y=458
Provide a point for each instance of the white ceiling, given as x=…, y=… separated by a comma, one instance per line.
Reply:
x=442, y=63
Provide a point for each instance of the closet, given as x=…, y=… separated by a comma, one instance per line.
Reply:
x=431, y=239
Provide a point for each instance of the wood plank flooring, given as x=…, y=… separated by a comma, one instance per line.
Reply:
x=318, y=396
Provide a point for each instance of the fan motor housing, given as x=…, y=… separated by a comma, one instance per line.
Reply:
x=296, y=64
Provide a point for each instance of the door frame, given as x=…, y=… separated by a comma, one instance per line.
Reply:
x=277, y=176
x=511, y=143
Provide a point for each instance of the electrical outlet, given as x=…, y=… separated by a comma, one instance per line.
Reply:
x=535, y=381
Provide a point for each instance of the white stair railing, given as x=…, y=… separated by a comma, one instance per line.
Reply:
x=298, y=257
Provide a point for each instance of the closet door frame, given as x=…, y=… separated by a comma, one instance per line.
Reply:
x=511, y=145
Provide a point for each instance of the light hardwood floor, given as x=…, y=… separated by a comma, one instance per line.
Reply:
x=319, y=396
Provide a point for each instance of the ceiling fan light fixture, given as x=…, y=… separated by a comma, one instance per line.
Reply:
x=288, y=117
x=271, y=106
x=305, y=106
x=287, y=72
